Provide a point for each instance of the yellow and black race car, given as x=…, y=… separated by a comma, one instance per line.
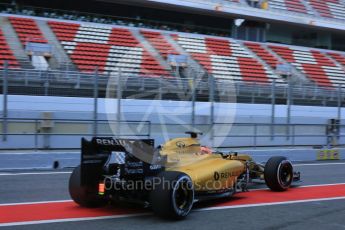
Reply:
x=170, y=178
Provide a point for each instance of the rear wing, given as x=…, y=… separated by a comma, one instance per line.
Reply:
x=95, y=154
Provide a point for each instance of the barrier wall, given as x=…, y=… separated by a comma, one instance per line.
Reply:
x=45, y=160
x=176, y=117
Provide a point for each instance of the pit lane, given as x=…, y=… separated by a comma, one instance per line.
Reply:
x=42, y=186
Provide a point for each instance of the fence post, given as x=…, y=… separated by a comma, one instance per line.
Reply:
x=293, y=134
x=150, y=128
x=160, y=91
x=255, y=135
x=252, y=90
x=95, y=104
x=26, y=80
x=288, y=115
x=211, y=100
x=273, y=109
x=339, y=102
x=36, y=135
x=119, y=96
x=193, y=101
x=177, y=72
x=4, y=110
x=77, y=85
x=46, y=83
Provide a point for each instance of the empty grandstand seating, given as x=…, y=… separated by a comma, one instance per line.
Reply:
x=329, y=8
x=110, y=49
x=6, y=54
x=115, y=49
x=314, y=64
x=159, y=43
x=338, y=57
x=290, y=5
x=225, y=58
x=263, y=53
x=325, y=8
x=27, y=30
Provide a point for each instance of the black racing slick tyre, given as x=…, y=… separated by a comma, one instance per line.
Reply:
x=82, y=195
x=278, y=173
x=172, y=196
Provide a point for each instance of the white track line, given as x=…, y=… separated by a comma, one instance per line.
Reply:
x=71, y=219
x=319, y=164
x=270, y=204
x=35, y=202
x=33, y=173
x=300, y=186
x=316, y=185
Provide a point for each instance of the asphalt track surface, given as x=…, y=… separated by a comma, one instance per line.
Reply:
x=40, y=200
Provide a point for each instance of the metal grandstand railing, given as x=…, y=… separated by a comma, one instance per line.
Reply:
x=193, y=89
x=123, y=86
x=74, y=83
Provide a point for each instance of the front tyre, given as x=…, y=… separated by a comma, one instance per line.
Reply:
x=173, y=196
x=86, y=196
x=278, y=173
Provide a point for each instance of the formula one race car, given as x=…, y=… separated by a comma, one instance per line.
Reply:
x=170, y=178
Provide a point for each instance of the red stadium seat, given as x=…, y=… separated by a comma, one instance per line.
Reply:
x=225, y=58
x=27, y=30
x=6, y=54
x=108, y=48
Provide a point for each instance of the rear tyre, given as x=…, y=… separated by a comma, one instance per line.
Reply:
x=278, y=173
x=86, y=196
x=173, y=196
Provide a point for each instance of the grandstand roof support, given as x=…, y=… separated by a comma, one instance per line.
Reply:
x=4, y=110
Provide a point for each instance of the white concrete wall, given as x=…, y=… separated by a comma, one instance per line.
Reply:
x=177, y=117
x=29, y=104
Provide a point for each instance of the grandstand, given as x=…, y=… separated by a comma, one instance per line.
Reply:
x=110, y=49
x=80, y=51
x=114, y=49
x=129, y=50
